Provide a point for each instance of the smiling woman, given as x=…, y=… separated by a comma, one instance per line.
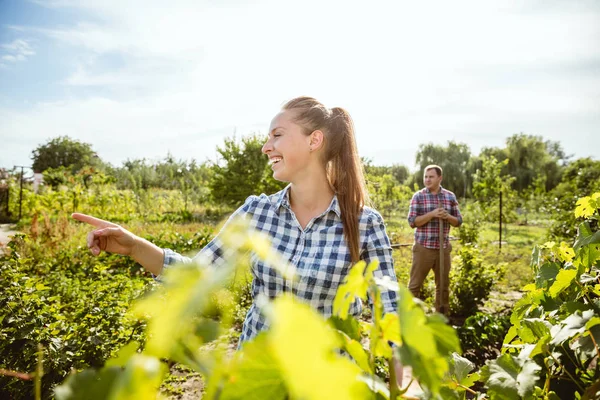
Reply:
x=319, y=222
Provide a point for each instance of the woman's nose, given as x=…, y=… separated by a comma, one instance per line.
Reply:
x=267, y=147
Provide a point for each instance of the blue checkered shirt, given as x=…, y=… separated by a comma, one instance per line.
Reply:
x=319, y=253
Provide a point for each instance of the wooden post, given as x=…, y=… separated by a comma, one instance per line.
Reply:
x=500, y=225
x=442, y=278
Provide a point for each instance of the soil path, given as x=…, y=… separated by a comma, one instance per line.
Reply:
x=5, y=234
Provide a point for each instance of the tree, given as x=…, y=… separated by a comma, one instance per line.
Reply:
x=243, y=171
x=488, y=183
x=580, y=178
x=530, y=157
x=65, y=152
x=398, y=171
x=453, y=159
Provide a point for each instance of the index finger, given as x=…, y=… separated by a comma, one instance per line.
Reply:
x=97, y=222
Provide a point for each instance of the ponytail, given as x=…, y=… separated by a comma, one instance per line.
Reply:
x=344, y=169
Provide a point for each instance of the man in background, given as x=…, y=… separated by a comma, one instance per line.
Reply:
x=428, y=207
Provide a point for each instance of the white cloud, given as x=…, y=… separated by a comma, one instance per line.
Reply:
x=17, y=50
x=181, y=75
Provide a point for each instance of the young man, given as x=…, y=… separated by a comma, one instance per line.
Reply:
x=428, y=207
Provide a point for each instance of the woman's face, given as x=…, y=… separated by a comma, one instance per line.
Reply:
x=288, y=148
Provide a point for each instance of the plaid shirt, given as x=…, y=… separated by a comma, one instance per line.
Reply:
x=319, y=253
x=425, y=201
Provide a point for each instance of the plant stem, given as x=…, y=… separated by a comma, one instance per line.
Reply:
x=568, y=373
x=594, y=341
x=468, y=389
x=39, y=372
x=16, y=374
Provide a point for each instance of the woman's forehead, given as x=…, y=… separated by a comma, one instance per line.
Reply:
x=282, y=120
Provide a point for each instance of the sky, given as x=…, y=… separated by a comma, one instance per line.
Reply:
x=144, y=78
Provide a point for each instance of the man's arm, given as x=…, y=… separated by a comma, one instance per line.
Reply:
x=454, y=217
x=425, y=218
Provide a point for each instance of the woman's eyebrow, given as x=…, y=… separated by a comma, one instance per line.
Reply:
x=276, y=128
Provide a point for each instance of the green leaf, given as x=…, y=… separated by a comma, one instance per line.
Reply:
x=536, y=257
x=500, y=377
x=140, y=380
x=88, y=384
x=547, y=274
x=123, y=355
x=538, y=328
x=571, y=326
x=585, y=207
x=426, y=344
x=254, y=374
x=527, y=378
x=509, y=377
x=355, y=285
x=305, y=348
x=563, y=280
x=358, y=353
x=460, y=367
x=350, y=326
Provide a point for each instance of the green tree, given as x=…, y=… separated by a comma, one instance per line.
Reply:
x=580, y=178
x=488, y=183
x=242, y=171
x=453, y=159
x=530, y=157
x=398, y=171
x=65, y=152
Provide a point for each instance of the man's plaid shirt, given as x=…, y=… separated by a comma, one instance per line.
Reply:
x=425, y=201
x=319, y=253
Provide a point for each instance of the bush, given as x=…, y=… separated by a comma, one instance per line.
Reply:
x=53, y=292
x=481, y=336
x=72, y=305
x=471, y=281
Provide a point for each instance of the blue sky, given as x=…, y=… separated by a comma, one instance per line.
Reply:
x=142, y=78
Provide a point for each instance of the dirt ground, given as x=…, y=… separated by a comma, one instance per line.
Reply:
x=5, y=233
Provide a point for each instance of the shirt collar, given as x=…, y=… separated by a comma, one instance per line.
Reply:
x=283, y=199
x=429, y=191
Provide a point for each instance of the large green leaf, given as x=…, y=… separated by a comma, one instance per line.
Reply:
x=89, y=384
x=564, y=279
x=140, y=379
x=305, y=349
x=350, y=326
x=254, y=373
x=571, y=326
x=533, y=329
x=426, y=342
x=355, y=285
x=547, y=274
x=509, y=377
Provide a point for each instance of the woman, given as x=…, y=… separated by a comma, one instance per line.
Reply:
x=319, y=222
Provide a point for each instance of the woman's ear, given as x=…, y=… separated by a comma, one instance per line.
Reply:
x=317, y=139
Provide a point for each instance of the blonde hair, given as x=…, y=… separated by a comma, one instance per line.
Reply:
x=340, y=155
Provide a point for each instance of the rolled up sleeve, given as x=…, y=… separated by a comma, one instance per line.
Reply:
x=379, y=248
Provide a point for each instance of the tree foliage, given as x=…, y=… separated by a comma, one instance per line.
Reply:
x=530, y=156
x=63, y=151
x=453, y=158
x=488, y=184
x=242, y=171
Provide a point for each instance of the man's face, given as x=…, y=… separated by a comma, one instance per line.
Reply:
x=432, y=180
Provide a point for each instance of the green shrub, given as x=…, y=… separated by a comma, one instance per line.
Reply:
x=71, y=305
x=471, y=281
x=481, y=336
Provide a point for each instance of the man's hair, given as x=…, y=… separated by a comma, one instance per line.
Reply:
x=437, y=168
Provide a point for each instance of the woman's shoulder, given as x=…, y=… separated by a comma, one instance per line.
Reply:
x=370, y=215
x=263, y=201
